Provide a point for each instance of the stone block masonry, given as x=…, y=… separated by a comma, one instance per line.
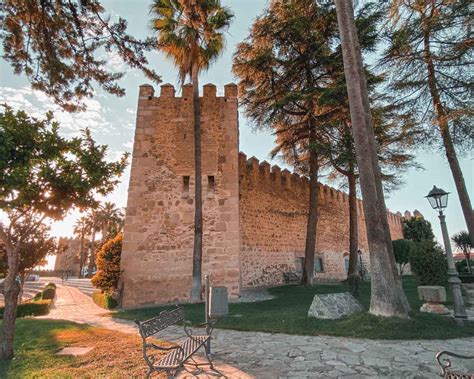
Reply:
x=254, y=214
x=273, y=218
x=159, y=226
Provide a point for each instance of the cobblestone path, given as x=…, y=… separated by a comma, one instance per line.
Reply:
x=263, y=355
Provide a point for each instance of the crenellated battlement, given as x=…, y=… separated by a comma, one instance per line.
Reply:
x=265, y=175
x=255, y=213
x=167, y=91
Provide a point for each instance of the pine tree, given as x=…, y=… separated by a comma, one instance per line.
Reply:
x=60, y=46
x=430, y=58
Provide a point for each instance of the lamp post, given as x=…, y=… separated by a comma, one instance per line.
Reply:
x=438, y=200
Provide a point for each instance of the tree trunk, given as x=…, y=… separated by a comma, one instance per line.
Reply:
x=11, y=290
x=92, y=254
x=22, y=285
x=387, y=296
x=81, y=255
x=353, y=276
x=450, y=151
x=308, y=267
x=196, y=289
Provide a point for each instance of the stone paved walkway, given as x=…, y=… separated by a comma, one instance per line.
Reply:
x=245, y=355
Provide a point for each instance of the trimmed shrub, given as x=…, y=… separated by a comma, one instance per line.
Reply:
x=467, y=278
x=31, y=308
x=49, y=292
x=429, y=264
x=461, y=266
x=108, y=265
x=104, y=300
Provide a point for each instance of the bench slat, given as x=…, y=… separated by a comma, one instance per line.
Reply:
x=190, y=346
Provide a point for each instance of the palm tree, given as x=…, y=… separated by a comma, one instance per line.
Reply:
x=462, y=241
x=92, y=224
x=190, y=32
x=80, y=231
x=110, y=220
x=387, y=296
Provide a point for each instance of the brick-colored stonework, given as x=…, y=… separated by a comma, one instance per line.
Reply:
x=254, y=214
x=158, y=232
x=273, y=218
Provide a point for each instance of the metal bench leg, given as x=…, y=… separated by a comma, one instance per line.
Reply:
x=207, y=351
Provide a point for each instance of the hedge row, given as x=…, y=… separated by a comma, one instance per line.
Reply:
x=31, y=308
x=104, y=300
x=38, y=305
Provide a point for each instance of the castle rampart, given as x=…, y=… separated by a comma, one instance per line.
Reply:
x=254, y=213
x=273, y=218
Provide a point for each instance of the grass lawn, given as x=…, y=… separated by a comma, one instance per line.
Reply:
x=287, y=313
x=38, y=341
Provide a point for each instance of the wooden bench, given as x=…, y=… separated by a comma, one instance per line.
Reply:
x=291, y=277
x=445, y=364
x=175, y=357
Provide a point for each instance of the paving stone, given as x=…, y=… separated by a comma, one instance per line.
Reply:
x=245, y=355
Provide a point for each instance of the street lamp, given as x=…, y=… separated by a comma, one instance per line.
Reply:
x=438, y=199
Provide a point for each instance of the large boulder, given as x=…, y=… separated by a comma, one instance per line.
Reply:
x=334, y=305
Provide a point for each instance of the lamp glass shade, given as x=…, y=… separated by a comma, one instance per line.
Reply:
x=438, y=198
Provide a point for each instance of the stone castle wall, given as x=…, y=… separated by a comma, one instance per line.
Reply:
x=159, y=225
x=273, y=218
x=254, y=214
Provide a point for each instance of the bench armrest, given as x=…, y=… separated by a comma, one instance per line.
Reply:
x=445, y=363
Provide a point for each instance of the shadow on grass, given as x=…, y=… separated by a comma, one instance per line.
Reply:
x=36, y=346
x=287, y=313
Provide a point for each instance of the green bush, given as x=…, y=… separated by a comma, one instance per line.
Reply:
x=402, y=250
x=461, y=266
x=49, y=292
x=108, y=265
x=467, y=278
x=429, y=264
x=104, y=300
x=31, y=308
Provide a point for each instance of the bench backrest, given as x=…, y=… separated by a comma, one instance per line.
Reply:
x=160, y=322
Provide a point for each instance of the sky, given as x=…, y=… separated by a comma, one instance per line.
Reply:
x=112, y=119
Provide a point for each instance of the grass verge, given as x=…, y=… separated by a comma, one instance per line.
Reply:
x=287, y=313
x=38, y=341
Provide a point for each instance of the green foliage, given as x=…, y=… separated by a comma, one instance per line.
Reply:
x=49, y=292
x=429, y=264
x=467, y=278
x=287, y=313
x=104, y=300
x=439, y=33
x=60, y=48
x=108, y=265
x=35, y=160
x=34, y=248
x=462, y=267
x=402, y=250
x=417, y=229
x=463, y=243
x=31, y=308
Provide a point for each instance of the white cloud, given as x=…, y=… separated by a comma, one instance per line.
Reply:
x=36, y=104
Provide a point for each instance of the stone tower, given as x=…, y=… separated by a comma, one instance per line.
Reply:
x=158, y=231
